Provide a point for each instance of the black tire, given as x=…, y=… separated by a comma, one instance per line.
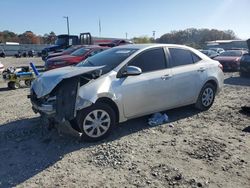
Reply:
x=13, y=85
x=205, y=100
x=27, y=82
x=100, y=108
x=74, y=125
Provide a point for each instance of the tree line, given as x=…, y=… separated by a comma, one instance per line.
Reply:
x=191, y=37
x=28, y=37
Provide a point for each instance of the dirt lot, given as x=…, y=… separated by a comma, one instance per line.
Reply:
x=195, y=149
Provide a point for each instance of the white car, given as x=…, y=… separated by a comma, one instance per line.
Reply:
x=126, y=82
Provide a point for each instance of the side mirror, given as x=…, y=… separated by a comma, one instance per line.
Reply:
x=131, y=71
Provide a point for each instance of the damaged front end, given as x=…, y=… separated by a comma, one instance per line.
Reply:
x=59, y=101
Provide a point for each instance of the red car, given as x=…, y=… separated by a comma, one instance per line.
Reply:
x=74, y=58
x=230, y=59
x=69, y=50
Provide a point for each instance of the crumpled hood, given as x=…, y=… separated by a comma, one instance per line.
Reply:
x=47, y=81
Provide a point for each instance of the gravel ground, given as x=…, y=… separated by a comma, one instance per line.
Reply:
x=195, y=149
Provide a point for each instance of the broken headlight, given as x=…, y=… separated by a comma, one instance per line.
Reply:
x=82, y=103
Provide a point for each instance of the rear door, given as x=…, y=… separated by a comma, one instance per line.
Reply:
x=188, y=74
x=150, y=91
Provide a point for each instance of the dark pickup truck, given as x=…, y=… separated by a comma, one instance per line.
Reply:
x=64, y=41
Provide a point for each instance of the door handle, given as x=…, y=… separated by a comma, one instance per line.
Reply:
x=167, y=76
x=201, y=69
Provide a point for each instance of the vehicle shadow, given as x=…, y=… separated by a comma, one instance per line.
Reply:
x=240, y=81
x=26, y=149
x=4, y=89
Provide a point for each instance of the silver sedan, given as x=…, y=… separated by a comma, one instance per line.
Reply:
x=126, y=82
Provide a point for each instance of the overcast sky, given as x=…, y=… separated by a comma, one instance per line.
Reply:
x=135, y=17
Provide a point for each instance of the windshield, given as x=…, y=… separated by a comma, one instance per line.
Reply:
x=110, y=58
x=71, y=49
x=80, y=52
x=61, y=41
x=231, y=53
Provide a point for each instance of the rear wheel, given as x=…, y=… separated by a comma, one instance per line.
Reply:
x=27, y=82
x=96, y=122
x=206, y=97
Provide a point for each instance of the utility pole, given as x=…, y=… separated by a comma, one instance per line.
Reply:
x=66, y=17
x=100, y=27
x=154, y=34
x=126, y=35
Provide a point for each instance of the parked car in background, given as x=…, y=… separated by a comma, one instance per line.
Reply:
x=210, y=53
x=18, y=54
x=245, y=65
x=217, y=50
x=62, y=42
x=73, y=58
x=2, y=53
x=64, y=52
x=31, y=53
x=126, y=82
x=230, y=59
x=118, y=42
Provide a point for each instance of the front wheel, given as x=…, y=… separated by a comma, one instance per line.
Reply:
x=206, y=97
x=13, y=85
x=96, y=122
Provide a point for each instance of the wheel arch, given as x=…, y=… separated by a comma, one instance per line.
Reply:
x=214, y=83
x=112, y=104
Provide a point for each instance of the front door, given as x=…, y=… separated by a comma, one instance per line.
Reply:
x=150, y=91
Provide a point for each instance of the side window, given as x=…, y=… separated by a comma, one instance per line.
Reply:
x=195, y=58
x=150, y=60
x=180, y=57
x=95, y=52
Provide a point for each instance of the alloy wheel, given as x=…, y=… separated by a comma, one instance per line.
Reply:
x=207, y=96
x=96, y=123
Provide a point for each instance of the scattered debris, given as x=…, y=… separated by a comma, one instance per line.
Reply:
x=111, y=155
x=173, y=177
x=158, y=119
x=207, y=149
x=171, y=125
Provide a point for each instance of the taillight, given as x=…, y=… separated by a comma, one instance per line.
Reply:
x=220, y=66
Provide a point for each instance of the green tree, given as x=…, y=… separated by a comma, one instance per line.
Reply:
x=195, y=37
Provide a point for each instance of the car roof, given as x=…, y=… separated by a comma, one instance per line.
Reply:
x=94, y=47
x=142, y=46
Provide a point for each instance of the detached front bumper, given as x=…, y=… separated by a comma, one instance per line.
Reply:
x=38, y=106
x=47, y=109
